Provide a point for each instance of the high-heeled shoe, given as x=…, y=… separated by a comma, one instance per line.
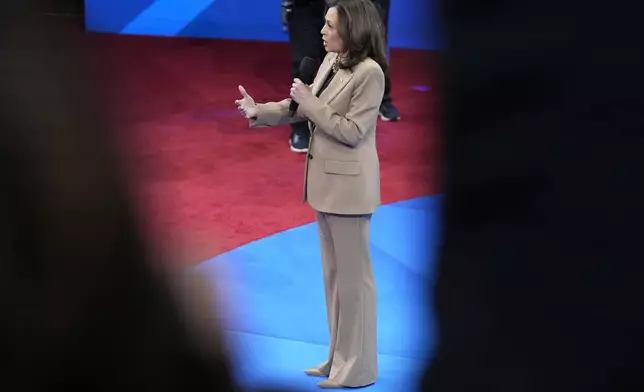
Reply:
x=315, y=372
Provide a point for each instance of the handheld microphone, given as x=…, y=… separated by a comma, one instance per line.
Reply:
x=308, y=68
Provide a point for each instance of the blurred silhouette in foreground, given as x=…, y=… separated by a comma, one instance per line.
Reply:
x=540, y=286
x=82, y=302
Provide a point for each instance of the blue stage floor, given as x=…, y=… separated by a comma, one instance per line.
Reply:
x=275, y=316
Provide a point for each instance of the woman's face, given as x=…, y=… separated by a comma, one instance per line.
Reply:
x=330, y=34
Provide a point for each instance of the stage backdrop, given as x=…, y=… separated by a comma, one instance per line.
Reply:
x=413, y=23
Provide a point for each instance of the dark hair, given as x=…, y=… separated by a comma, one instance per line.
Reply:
x=362, y=29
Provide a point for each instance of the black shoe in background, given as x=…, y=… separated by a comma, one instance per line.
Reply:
x=388, y=112
x=299, y=141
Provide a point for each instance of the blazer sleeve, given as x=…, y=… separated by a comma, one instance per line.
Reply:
x=363, y=110
x=274, y=113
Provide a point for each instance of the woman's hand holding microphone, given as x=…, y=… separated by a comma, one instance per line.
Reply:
x=300, y=92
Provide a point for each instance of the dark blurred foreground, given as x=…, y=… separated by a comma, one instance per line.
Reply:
x=540, y=286
x=82, y=302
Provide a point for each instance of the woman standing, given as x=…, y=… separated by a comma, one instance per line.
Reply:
x=342, y=178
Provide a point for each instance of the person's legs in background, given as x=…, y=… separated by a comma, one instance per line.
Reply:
x=388, y=112
x=306, y=41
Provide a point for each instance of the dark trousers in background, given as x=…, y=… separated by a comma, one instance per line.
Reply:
x=306, y=41
x=383, y=7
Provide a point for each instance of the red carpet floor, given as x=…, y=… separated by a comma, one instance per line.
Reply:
x=204, y=182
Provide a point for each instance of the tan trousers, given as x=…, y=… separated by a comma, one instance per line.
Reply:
x=350, y=299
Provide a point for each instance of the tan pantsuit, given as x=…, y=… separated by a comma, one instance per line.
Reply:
x=350, y=299
x=342, y=184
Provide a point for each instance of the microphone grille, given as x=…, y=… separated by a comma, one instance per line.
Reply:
x=308, y=67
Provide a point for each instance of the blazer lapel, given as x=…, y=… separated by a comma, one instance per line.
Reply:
x=339, y=82
x=323, y=73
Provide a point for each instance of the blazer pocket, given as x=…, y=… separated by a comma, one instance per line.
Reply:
x=342, y=168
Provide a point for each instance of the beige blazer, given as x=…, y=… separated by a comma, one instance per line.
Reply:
x=342, y=174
